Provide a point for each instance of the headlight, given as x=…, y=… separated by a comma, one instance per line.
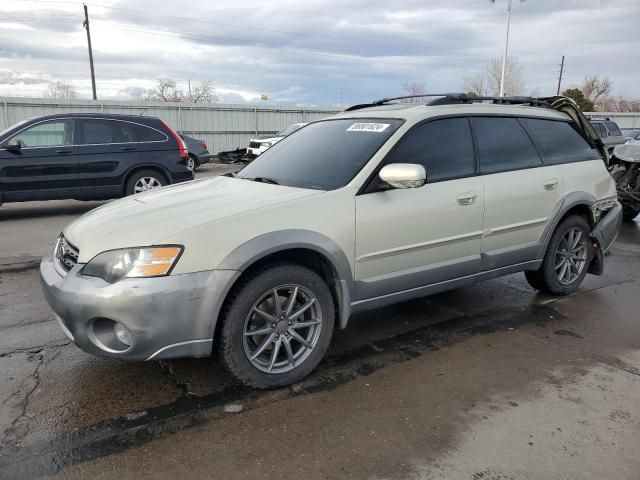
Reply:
x=133, y=263
x=267, y=145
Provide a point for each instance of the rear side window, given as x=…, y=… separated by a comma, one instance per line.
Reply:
x=443, y=147
x=96, y=132
x=600, y=130
x=613, y=129
x=558, y=142
x=503, y=145
x=147, y=134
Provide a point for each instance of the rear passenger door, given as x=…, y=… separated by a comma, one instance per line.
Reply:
x=521, y=193
x=108, y=148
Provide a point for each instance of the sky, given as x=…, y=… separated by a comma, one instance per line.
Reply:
x=312, y=52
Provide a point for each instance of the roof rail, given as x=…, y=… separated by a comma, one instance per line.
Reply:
x=457, y=98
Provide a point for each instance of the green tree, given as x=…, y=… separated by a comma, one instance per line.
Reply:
x=583, y=102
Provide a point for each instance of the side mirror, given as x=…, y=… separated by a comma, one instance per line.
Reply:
x=12, y=145
x=403, y=175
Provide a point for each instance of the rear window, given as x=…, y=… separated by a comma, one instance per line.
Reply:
x=613, y=129
x=559, y=142
x=97, y=132
x=148, y=134
x=503, y=145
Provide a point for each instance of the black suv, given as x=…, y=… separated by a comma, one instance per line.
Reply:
x=89, y=157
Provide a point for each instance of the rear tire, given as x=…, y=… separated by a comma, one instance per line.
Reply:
x=143, y=181
x=263, y=341
x=192, y=163
x=567, y=259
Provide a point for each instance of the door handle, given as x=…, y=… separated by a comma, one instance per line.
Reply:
x=551, y=184
x=63, y=152
x=128, y=149
x=466, y=198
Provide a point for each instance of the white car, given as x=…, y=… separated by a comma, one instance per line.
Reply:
x=380, y=204
x=258, y=146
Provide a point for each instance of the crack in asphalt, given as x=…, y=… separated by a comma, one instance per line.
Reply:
x=34, y=349
x=24, y=404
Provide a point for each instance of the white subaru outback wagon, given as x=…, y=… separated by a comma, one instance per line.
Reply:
x=382, y=203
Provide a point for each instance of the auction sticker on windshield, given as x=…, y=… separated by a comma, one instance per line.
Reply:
x=368, y=127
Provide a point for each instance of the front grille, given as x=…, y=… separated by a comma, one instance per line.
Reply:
x=66, y=254
x=254, y=144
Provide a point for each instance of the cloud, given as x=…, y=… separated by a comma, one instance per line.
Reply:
x=315, y=52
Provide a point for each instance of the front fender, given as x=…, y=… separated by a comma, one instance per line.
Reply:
x=266, y=244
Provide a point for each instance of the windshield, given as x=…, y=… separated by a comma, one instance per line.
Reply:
x=324, y=155
x=290, y=129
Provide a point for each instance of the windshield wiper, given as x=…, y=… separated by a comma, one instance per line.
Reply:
x=264, y=180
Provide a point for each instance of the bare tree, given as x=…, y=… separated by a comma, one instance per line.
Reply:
x=595, y=87
x=202, y=92
x=168, y=91
x=618, y=104
x=413, y=88
x=61, y=90
x=165, y=91
x=487, y=82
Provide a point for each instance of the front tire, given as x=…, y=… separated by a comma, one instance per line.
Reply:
x=276, y=325
x=567, y=258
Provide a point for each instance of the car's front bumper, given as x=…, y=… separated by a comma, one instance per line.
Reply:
x=168, y=317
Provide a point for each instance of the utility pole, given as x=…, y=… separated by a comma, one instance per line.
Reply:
x=189, y=80
x=560, y=77
x=93, y=75
x=506, y=49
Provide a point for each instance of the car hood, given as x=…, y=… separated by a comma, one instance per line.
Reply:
x=147, y=218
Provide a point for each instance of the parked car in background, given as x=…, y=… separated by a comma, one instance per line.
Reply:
x=198, y=153
x=380, y=204
x=259, y=145
x=632, y=135
x=89, y=156
x=609, y=132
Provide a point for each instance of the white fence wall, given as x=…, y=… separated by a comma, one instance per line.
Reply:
x=223, y=127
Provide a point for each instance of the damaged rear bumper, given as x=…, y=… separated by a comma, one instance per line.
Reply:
x=603, y=236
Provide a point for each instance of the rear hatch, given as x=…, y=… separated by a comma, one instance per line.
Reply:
x=568, y=106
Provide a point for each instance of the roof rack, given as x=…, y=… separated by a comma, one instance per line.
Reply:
x=456, y=99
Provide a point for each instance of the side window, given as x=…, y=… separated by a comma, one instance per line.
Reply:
x=613, y=129
x=96, y=132
x=503, y=145
x=46, y=134
x=559, y=142
x=146, y=134
x=600, y=130
x=443, y=147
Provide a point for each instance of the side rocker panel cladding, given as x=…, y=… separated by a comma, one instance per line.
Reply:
x=263, y=245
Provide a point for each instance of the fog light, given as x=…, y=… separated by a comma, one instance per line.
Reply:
x=123, y=334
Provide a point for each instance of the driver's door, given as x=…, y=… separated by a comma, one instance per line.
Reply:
x=46, y=165
x=409, y=238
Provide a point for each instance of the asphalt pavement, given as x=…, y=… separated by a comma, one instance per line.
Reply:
x=486, y=382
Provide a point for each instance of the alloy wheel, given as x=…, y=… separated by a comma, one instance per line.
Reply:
x=146, y=183
x=571, y=256
x=282, y=328
x=191, y=164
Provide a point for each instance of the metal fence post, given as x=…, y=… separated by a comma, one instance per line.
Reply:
x=6, y=115
x=255, y=113
x=179, y=118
